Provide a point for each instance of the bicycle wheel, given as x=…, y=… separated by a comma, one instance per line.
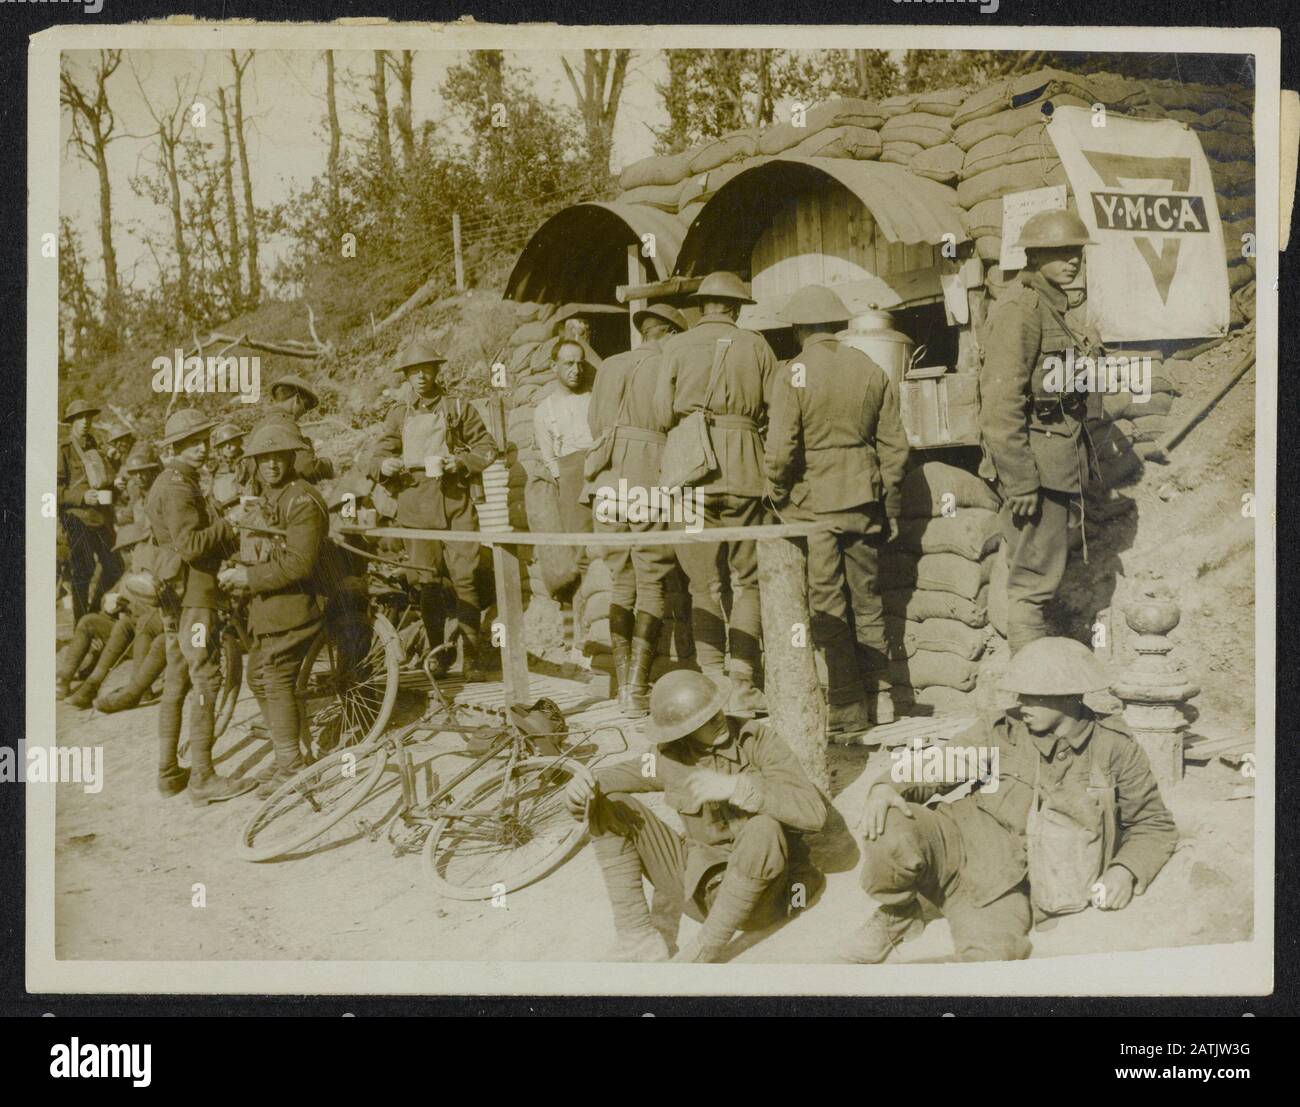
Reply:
x=310, y=802
x=512, y=830
x=232, y=679
x=348, y=707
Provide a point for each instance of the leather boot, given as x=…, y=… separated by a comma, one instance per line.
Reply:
x=74, y=653
x=114, y=648
x=130, y=694
x=214, y=789
x=644, y=641
x=172, y=782
x=847, y=718
x=745, y=701
x=884, y=931
x=620, y=644
x=737, y=899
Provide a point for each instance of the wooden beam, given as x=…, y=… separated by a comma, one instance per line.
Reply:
x=657, y=290
x=510, y=615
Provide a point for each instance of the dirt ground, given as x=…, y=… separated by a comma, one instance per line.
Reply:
x=128, y=860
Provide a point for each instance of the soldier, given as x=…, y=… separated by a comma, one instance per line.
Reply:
x=227, y=442
x=192, y=541
x=563, y=435
x=1035, y=443
x=622, y=406
x=727, y=372
x=119, y=446
x=745, y=802
x=835, y=451
x=128, y=624
x=969, y=857
x=432, y=454
x=284, y=614
x=149, y=644
x=85, y=491
x=137, y=477
x=291, y=399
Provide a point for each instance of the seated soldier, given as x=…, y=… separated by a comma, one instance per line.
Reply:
x=149, y=649
x=130, y=623
x=284, y=612
x=745, y=802
x=972, y=858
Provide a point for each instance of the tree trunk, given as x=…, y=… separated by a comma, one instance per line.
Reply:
x=796, y=706
x=336, y=139
x=235, y=291
x=383, y=141
x=168, y=142
x=250, y=211
x=404, y=67
x=112, y=290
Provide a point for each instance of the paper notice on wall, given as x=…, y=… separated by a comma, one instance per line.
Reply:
x=1017, y=207
x=1143, y=189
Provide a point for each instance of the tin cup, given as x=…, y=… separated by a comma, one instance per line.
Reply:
x=367, y=517
x=433, y=465
x=104, y=495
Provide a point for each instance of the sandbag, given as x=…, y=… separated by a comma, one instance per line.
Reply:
x=947, y=701
x=658, y=169
x=944, y=102
x=558, y=565
x=919, y=606
x=1239, y=276
x=900, y=153
x=1009, y=178
x=920, y=127
x=1232, y=178
x=987, y=101
x=532, y=333
x=989, y=247
x=971, y=533
x=519, y=357
x=1008, y=122
x=662, y=197
x=1148, y=428
x=906, y=636
x=941, y=163
x=998, y=150
x=1124, y=405
x=947, y=572
x=929, y=488
x=985, y=218
x=897, y=105
x=926, y=669
x=1237, y=207
x=1050, y=84
x=841, y=112
x=1224, y=120
x=998, y=592
x=841, y=142
x=1222, y=146
x=738, y=144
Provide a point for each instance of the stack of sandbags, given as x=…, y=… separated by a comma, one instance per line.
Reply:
x=911, y=132
x=934, y=584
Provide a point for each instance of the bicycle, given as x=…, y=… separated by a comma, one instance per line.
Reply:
x=510, y=829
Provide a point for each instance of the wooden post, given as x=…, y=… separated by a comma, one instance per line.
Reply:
x=636, y=274
x=455, y=246
x=510, y=614
x=796, y=706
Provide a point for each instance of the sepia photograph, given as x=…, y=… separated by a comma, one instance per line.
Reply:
x=651, y=510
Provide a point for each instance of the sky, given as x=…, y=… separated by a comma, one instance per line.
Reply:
x=284, y=100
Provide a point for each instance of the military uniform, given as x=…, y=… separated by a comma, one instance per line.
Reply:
x=968, y=857
x=192, y=540
x=305, y=463
x=734, y=496
x=836, y=448
x=1034, y=440
x=757, y=835
x=284, y=614
x=93, y=567
x=413, y=431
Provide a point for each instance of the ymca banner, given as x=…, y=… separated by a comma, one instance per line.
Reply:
x=1145, y=193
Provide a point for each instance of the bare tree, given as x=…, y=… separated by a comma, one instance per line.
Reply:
x=336, y=136
x=383, y=141
x=233, y=280
x=403, y=66
x=598, y=96
x=250, y=210
x=93, y=126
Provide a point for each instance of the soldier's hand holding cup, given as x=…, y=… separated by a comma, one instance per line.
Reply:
x=391, y=466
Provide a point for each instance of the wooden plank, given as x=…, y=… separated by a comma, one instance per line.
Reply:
x=627, y=540
x=510, y=611
x=808, y=230
x=636, y=275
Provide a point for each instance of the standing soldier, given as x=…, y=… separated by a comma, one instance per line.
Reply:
x=142, y=469
x=192, y=541
x=745, y=803
x=85, y=491
x=227, y=442
x=119, y=446
x=433, y=451
x=1035, y=444
x=727, y=373
x=836, y=451
x=622, y=408
x=563, y=434
x=291, y=399
x=284, y=614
